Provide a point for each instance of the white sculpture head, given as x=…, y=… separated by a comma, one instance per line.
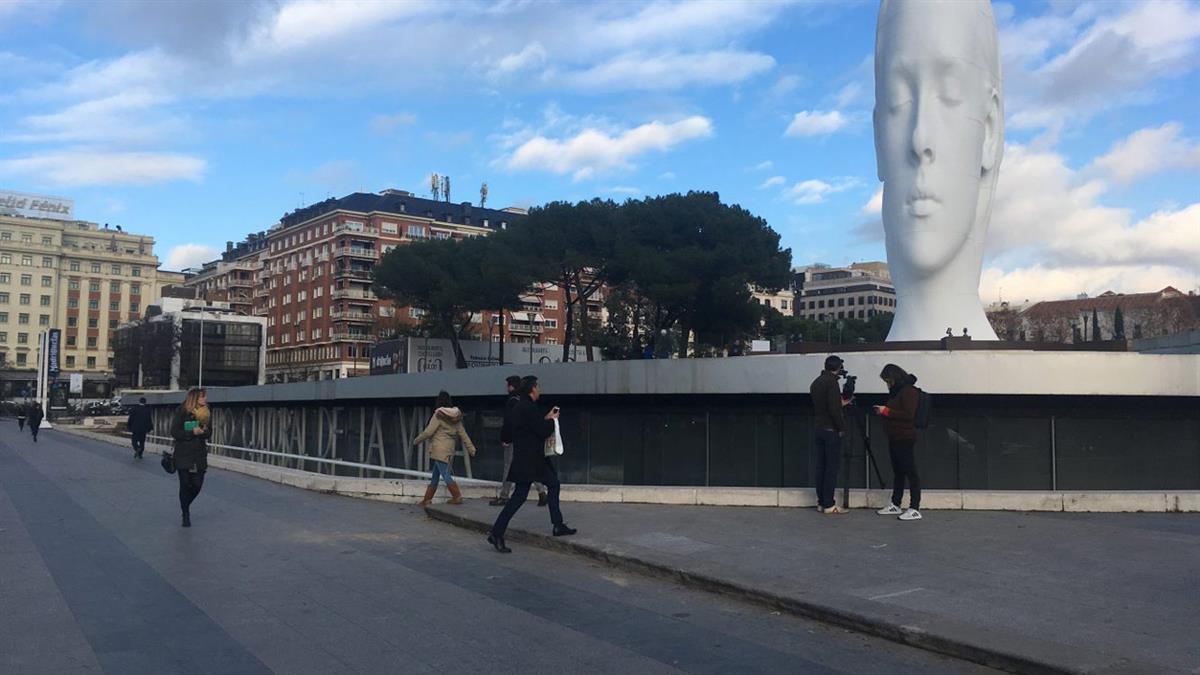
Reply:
x=939, y=137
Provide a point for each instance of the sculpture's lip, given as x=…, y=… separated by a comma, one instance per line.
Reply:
x=922, y=205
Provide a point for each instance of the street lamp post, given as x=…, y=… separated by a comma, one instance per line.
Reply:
x=200, y=377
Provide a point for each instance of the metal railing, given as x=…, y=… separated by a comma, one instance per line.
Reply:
x=166, y=442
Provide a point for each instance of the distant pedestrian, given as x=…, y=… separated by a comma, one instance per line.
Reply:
x=829, y=426
x=35, y=420
x=22, y=413
x=140, y=423
x=899, y=421
x=514, y=397
x=530, y=429
x=191, y=429
x=446, y=429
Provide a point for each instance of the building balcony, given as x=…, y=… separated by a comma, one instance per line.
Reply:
x=354, y=294
x=262, y=311
x=262, y=292
x=357, y=317
x=364, y=230
x=353, y=274
x=242, y=283
x=525, y=329
x=356, y=252
x=351, y=337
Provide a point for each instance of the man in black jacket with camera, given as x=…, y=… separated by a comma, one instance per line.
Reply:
x=829, y=424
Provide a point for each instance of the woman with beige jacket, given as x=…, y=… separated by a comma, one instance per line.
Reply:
x=445, y=430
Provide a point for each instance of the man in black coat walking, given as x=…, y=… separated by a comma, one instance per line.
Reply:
x=530, y=429
x=35, y=420
x=140, y=424
x=513, y=382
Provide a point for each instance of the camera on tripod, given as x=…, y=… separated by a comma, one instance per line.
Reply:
x=848, y=385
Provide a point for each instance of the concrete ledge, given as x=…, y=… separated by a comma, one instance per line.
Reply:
x=410, y=491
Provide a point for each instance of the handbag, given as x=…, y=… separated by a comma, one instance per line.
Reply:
x=168, y=462
x=554, y=444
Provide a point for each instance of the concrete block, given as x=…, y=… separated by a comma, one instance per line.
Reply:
x=605, y=494
x=800, y=498
x=663, y=494
x=1184, y=502
x=1014, y=500
x=877, y=499
x=737, y=496
x=938, y=499
x=1113, y=502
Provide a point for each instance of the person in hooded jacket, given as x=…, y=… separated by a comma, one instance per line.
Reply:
x=35, y=420
x=899, y=421
x=445, y=429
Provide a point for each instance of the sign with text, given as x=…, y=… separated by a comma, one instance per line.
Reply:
x=52, y=342
x=36, y=206
x=420, y=355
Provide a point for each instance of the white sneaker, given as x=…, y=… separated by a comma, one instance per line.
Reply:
x=910, y=514
x=890, y=510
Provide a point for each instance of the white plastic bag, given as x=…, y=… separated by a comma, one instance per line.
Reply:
x=554, y=444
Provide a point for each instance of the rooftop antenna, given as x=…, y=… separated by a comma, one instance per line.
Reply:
x=483, y=192
x=446, y=188
x=435, y=185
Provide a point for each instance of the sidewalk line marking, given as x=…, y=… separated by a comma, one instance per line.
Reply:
x=892, y=595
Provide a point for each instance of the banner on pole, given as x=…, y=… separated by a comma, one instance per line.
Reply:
x=52, y=353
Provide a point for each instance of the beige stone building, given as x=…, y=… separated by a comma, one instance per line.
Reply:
x=76, y=276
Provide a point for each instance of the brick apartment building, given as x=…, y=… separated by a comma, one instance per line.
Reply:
x=1144, y=315
x=313, y=275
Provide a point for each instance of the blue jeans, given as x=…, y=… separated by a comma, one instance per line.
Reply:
x=440, y=469
x=829, y=459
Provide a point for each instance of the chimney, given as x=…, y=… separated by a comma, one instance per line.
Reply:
x=228, y=246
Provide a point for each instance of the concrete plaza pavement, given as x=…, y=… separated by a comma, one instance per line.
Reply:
x=1067, y=592
x=96, y=575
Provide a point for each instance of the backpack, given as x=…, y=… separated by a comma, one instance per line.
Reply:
x=924, y=404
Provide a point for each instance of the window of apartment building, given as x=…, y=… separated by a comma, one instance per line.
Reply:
x=47, y=241
x=390, y=228
x=270, y=321
x=133, y=307
x=47, y=282
x=783, y=304
x=318, y=313
x=441, y=235
x=23, y=319
x=112, y=323
x=95, y=268
x=136, y=271
x=44, y=301
x=551, y=323
x=116, y=269
x=387, y=311
x=70, y=361
x=70, y=340
x=94, y=286
x=302, y=296
x=114, y=306
x=550, y=304
x=287, y=298
x=301, y=315
x=416, y=231
x=93, y=304
x=850, y=301
x=5, y=278
x=27, y=238
x=26, y=279
x=5, y=236
x=91, y=360
x=415, y=312
x=318, y=291
x=22, y=338
x=286, y=338
x=26, y=261
x=299, y=336
x=72, y=321
x=270, y=340
x=74, y=265
x=91, y=343
x=316, y=333
x=287, y=318
x=43, y=319
x=3, y=298
x=3, y=317
x=5, y=259
x=114, y=287
x=22, y=359
x=841, y=302
x=93, y=323
x=26, y=299
x=135, y=289
x=821, y=304
x=47, y=262
x=73, y=303
x=4, y=337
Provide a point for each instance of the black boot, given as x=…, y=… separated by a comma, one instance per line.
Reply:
x=187, y=519
x=561, y=530
x=498, y=544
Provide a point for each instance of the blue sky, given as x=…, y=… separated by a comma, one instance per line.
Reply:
x=200, y=121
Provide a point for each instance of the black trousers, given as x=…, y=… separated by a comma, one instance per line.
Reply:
x=521, y=492
x=139, y=443
x=189, y=486
x=34, y=428
x=904, y=467
x=829, y=459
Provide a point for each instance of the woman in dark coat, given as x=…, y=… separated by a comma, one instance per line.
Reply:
x=899, y=421
x=530, y=429
x=190, y=427
x=35, y=420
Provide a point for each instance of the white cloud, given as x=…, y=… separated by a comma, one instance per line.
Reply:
x=764, y=166
x=1149, y=151
x=626, y=190
x=815, y=191
x=667, y=175
x=86, y=167
x=189, y=255
x=388, y=124
x=849, y=95
x=687, y=23
x=668, y=71
x=772, y=182
x=785, y=85
x=533, y=55
x=1039, y=282
x=816, y=123
x=874, y=205
x=593, y=151
x=126, y=117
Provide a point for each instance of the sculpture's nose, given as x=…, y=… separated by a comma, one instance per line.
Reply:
x=922, y=134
